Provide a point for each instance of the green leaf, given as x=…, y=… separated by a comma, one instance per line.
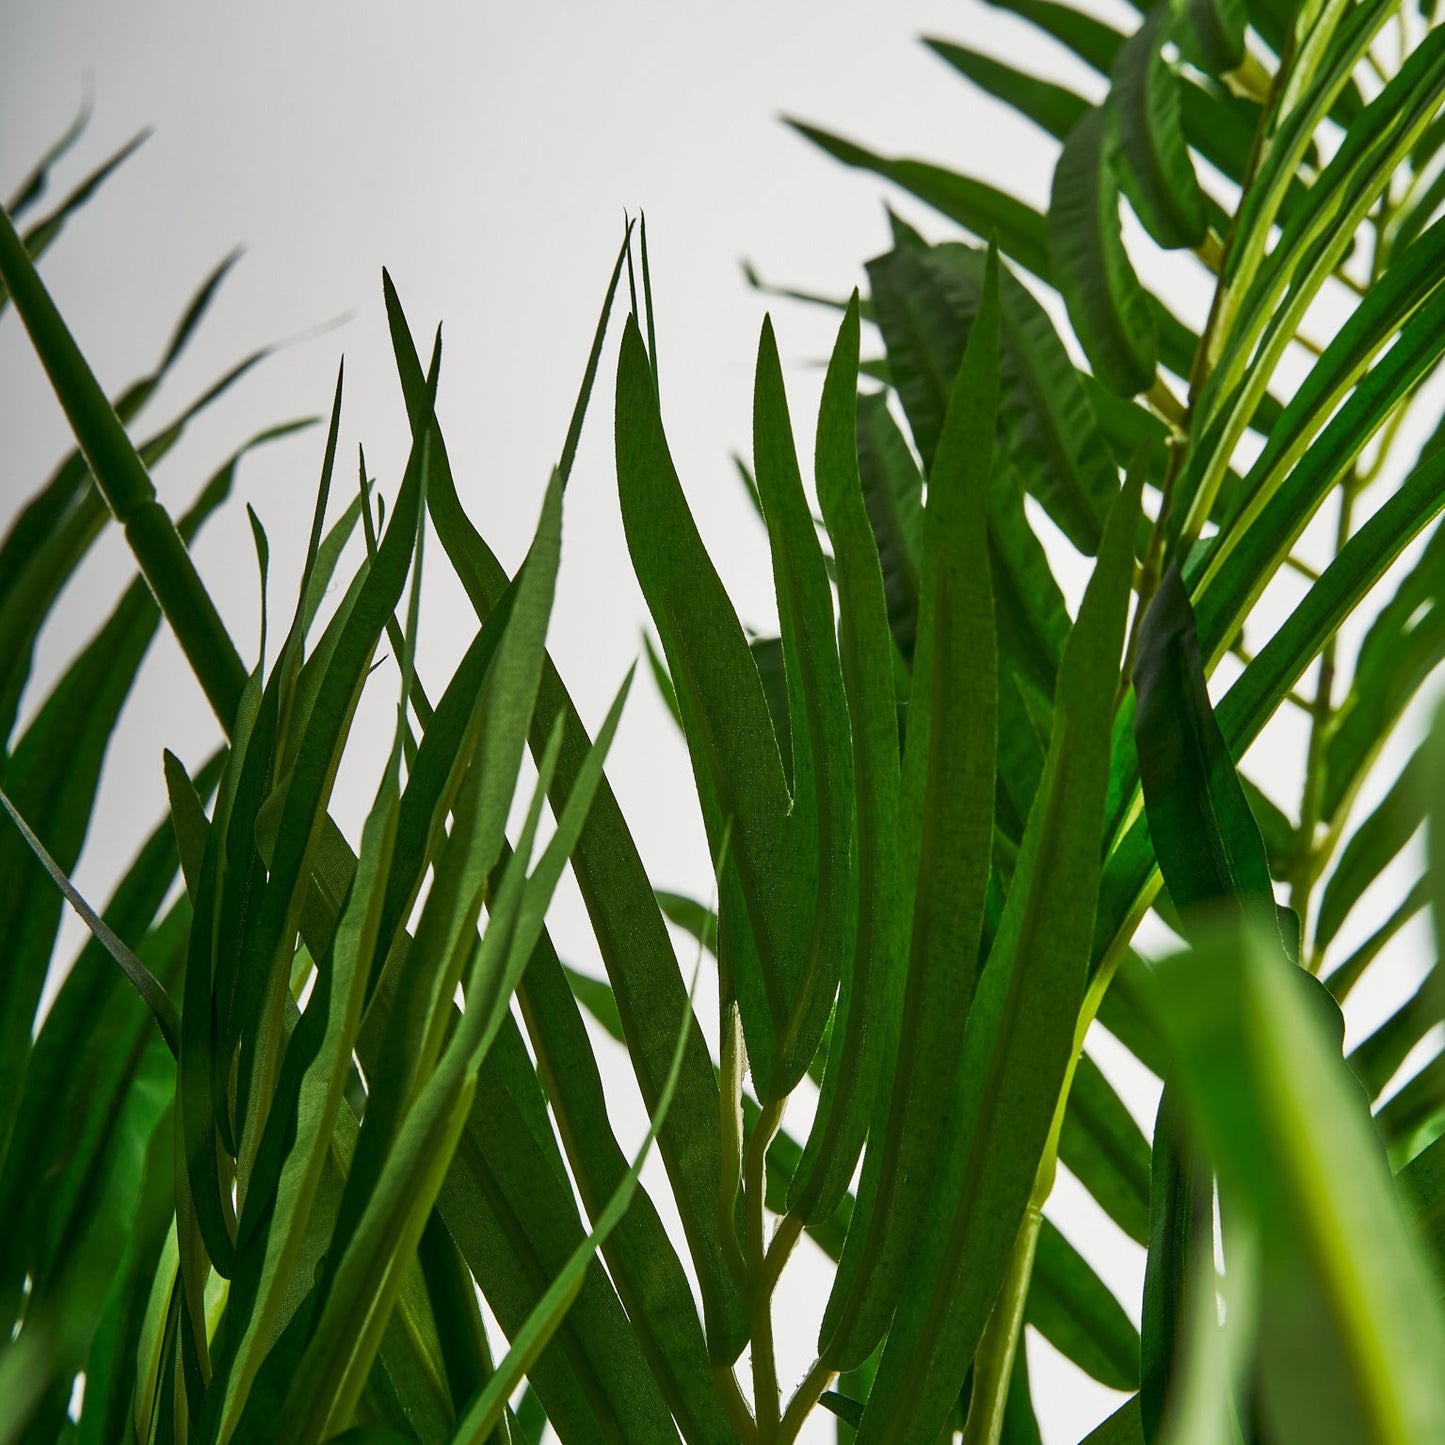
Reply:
x=1373, y=844
x=730, y=733
x=1155, y=169
x=825, y=877
x=1019, y=1038
x=51, y=778
x=157, y=1000
x=1181, y=1235
x=1128, y=1013
x=45, y=232
x=1275, y=828
x=1076, y=1313
x=975, y=205
x=264, y=1272
x=487, y=1409
x=1123, y=1427
x=640, y=1257
x=1421, y=1186
x=1341, y=1278
x=1261, y=309
x=122, y=478
x=1341, y=403
x=927, y=303
x=1211, y=33
x=946, y=822
x=893, y=496
x=870, y=978
x=1094, y=42
x=1107, y=306
x=1341, y=979
x=35, y=184
x=1106, y=1150
x=1376, y=1059
x=1404, y=645
x=1054, y=108
x=632, y=937
x=1278, y=666
x=1207, y=842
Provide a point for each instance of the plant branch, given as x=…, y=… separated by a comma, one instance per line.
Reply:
x=759, y=1293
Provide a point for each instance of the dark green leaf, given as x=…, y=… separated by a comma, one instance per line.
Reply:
x=1075, y=1312
x=1108, y=307
x=946, y=821
x=1019, y=1038
x=1054, y=108
x=1155, y=169
x=1374, y=843
x=1103, y=1146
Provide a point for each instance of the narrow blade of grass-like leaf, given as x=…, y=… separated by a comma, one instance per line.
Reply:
x=1054, y=108
x=730, y=733
x=927, y=301
x=34, y=186
x=1404, y=645
x=485, y=1412
x=975, y=205
x=1094, y=42
x=945, y=826
x=1373, y=844
x=822, y=779
x=636, y=951
x=1019, y=1037
x=1181, y=1234
x=640, y=1258
x=1207, y=842
x=43, y=234
x=870, y=979
x=893, y=496
x=142, y=980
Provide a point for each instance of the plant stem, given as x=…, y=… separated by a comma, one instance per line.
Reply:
x=994, y=1359
x=734, y=1406
x=780, y=1248
x=759, y=1292
x=123, y=481
x=993, y=1362
x=818, y=1378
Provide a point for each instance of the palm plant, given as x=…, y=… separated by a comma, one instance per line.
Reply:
x=940, y=808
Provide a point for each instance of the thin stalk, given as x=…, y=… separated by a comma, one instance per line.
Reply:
x=818, y=1378
x=759, y=1294
x=993, y=1362
x=734, y=1406
x=780, y=1249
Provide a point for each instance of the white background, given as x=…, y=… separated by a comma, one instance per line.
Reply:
x=486, y=155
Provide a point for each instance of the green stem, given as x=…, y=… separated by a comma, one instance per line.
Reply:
x=126, y=486
x=818, y=1378
x=759, y=1293
x=994, y=1361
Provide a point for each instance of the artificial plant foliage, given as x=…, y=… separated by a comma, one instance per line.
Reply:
x=316, y=1139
